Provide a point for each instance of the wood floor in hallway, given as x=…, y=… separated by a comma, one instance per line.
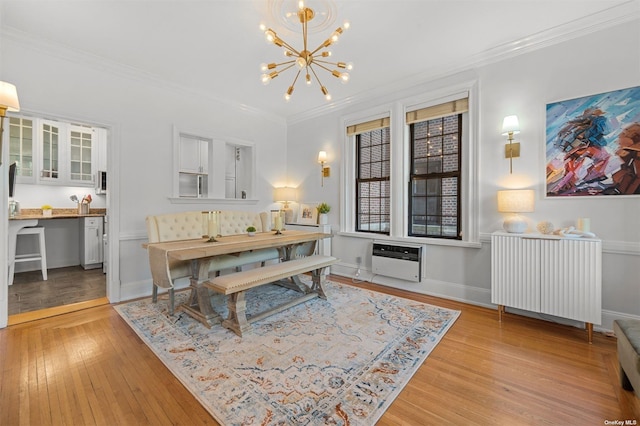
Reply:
x=64, y=286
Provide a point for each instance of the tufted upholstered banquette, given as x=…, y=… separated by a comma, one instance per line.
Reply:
x=188, y=226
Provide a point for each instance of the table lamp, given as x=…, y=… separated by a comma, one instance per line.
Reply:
x=285, y=195
x=515, y=201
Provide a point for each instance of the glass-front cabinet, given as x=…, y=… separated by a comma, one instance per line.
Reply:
x=82, y=153
x=21, y=145
x=55, y=152
x=49, y=168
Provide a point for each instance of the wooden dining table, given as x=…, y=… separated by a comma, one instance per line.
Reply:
x=201, y=252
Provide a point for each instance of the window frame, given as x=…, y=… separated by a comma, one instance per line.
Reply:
x=360, y=180
x=396, y=110
x=457, y=174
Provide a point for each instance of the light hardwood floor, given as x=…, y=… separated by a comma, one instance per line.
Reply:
x=89, y=367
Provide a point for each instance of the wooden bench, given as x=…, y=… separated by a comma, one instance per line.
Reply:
x=235, y=284
x=628, y=334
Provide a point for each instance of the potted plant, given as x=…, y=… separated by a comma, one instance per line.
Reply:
x=323, y=209
x=251, y=231
x=47, y=210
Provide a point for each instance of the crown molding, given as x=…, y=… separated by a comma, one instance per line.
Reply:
x=125, y=71
x=620, y=14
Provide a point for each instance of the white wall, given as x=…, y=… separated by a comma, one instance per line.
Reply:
x=140, y=113
x=522, y=85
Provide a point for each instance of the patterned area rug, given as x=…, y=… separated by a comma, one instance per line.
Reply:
x=341, y=361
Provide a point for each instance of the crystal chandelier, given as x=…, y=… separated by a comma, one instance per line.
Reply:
x=305, y=60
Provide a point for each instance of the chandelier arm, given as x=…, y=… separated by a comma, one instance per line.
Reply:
x=322, y=46
x=290, y=48
x=296, y=78
x=286, y=68
x=304, y=33
x=315, y=61
x=323, y=67
x=285, y=63
x=280, y=42
x=316, y=76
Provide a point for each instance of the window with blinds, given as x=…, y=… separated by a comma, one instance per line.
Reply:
x=435, y=176
x=373, y=195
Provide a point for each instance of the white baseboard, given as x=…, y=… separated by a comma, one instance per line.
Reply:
x=446, y=290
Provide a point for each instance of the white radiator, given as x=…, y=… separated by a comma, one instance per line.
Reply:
x=555, y=276
x=397, y=261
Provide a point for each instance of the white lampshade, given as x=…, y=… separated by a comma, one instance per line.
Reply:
x=285, y=194
x=322, y=157
x=515, y=201
x=9, y=97
x=510, y=125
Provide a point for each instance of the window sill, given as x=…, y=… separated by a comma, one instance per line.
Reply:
x=194, y=200
x=414, y=240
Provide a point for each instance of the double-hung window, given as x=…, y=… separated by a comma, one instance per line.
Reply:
x=373, y=164
x=435, y=175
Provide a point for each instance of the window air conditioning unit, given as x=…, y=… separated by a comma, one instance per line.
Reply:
x=397, y=261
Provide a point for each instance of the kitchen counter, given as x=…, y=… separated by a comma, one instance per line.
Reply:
x=65, y=234
x=36, y=214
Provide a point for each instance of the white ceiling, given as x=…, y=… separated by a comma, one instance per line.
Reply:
x=215, y=46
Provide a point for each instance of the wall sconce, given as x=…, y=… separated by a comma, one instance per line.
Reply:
x=285, y=195
x=325, y=170
x=515, y=201
x=8, y=102
x=511, y=127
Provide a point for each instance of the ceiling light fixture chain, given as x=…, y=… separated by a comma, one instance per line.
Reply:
x=305, y=59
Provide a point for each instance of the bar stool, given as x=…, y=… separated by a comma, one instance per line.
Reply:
x=40, y=256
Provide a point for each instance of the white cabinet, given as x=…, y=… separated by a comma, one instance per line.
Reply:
x=194, y=155
x=193, y=167
x=68, y=153
x=548, y=274
x=91, y=244
x=55, y=152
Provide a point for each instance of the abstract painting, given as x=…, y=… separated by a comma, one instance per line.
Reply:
x=593, y=145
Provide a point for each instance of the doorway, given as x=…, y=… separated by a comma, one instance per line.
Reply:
x=69, y=286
